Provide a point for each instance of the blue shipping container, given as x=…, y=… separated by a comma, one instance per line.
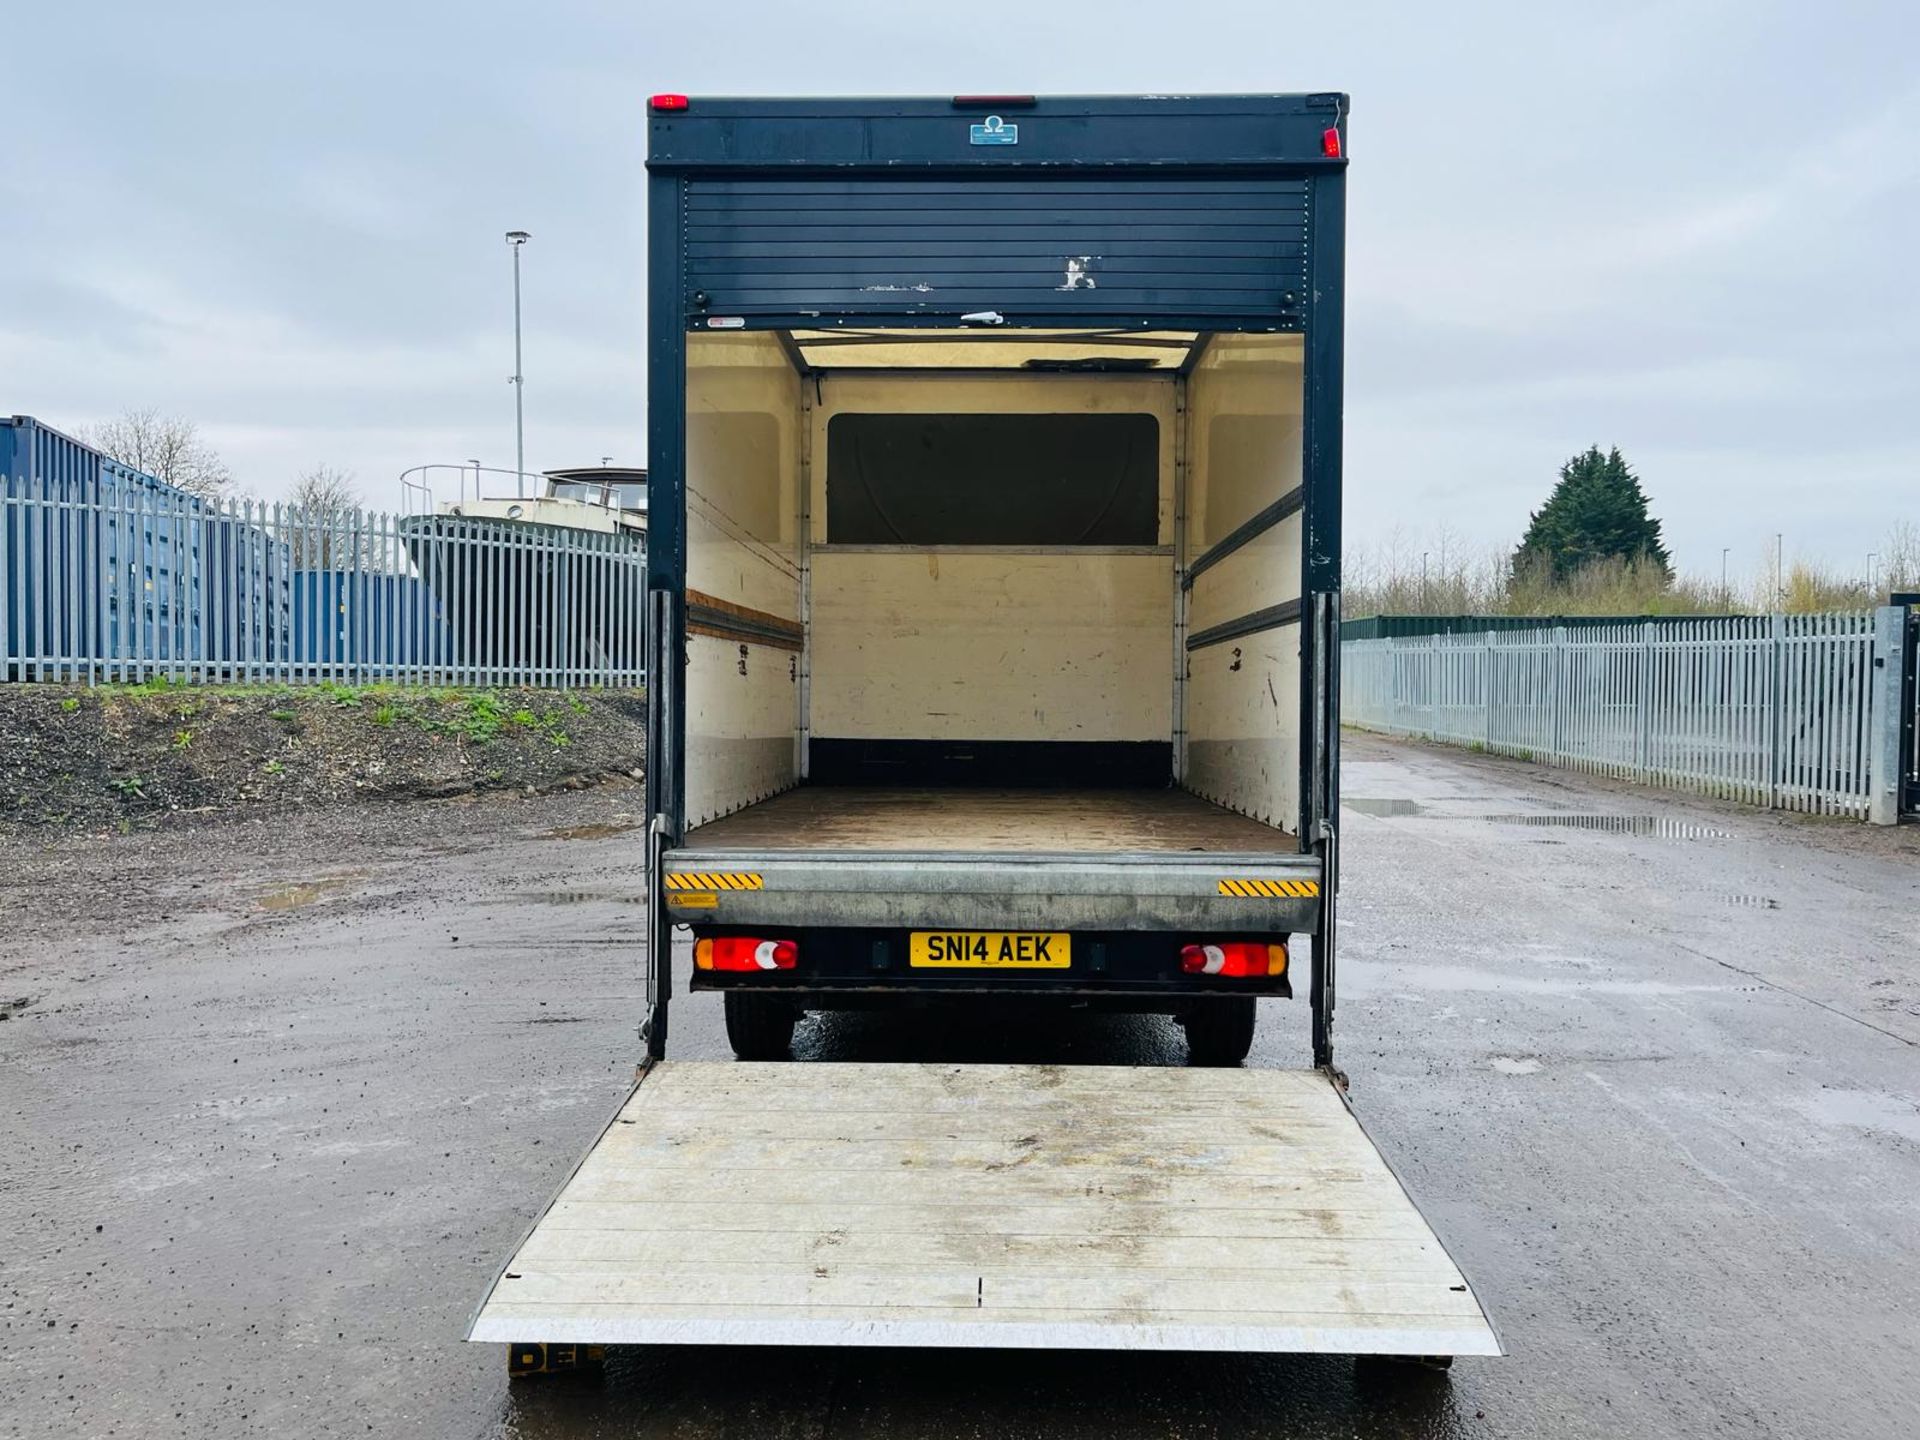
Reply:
x=99, y=562
x=351, y=618
x=248, y=609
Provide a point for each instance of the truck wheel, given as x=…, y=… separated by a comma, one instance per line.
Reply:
x=1219, y=1031
x=760, y=1027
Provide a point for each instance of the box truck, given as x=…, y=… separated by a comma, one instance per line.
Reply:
x=994, y=580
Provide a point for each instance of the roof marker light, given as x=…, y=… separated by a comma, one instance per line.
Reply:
x=1330, y=143
x=667, y=102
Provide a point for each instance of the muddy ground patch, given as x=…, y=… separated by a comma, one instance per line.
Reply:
x=74, y=757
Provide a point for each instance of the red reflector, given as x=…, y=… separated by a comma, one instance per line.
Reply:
x=1330, y=143
x=667, y=102
x=1234, y=957
x=745, y=952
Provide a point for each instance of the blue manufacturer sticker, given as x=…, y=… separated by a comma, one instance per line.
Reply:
x=993, y=131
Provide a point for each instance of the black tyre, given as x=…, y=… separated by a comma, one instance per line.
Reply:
x=1219, y=1031
x=760, y=1027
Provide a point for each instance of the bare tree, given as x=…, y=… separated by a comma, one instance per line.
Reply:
x=325, y=526
x=324, y=490
x=167, y=448
x=1900, y=565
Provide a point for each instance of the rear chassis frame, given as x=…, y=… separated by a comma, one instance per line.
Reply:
x=1230, y=894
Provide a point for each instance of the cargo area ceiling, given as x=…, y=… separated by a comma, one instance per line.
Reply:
x=1118, y=351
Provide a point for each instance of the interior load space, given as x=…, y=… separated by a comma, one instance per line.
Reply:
x=993, y=590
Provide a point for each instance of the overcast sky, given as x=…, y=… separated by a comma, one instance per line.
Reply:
x=1688, y=228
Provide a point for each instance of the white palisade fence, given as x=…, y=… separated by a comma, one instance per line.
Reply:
x=1791, y=711
x=114, y=578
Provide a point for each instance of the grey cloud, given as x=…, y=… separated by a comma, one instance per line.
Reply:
x=1682, y=227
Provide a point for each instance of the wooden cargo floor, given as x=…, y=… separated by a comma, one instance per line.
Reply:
x=1038, y=821
x=1095, y=1207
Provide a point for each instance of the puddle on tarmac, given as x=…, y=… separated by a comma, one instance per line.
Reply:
x=1865, y=1110
x=566, y=897
x=292, y=897
x=1515, y=1064
x=1657, y=827
x=1370, y=976
x=1383, y=808
x=589, y=832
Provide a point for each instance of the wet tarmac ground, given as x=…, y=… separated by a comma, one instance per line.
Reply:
x=1651, y=1067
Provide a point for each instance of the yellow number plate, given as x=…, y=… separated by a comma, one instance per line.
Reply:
x=987, y=950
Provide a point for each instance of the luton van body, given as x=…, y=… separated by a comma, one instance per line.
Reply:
x=994, y=595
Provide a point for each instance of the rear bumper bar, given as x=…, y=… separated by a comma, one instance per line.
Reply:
x=1203, y=893
x=1137, y=970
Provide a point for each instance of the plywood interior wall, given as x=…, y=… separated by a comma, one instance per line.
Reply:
x=743, y=547
x=1242, y=701
x=1035, y=644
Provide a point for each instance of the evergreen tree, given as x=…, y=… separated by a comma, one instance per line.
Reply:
x=1597, y=512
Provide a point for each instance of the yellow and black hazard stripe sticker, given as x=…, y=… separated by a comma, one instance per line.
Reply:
x=713, y=880
x=1271, y=889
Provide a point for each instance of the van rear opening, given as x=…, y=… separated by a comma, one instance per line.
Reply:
x=994, y=559
x=991, y=629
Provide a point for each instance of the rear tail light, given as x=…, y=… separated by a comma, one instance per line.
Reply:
x=1330, y=143
x=745, y=952
x=1234, y=957
x=667, y=102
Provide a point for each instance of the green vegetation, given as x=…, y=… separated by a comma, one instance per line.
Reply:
x=1439, y=575
x=476, y=716
x=1597, y=514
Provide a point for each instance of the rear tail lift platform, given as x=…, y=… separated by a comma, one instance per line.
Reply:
x=986, y=1206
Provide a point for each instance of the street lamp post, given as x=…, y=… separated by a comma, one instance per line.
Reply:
x=1872, y=555
x=1726, y=596
x=476, y=479
x=517, y=238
